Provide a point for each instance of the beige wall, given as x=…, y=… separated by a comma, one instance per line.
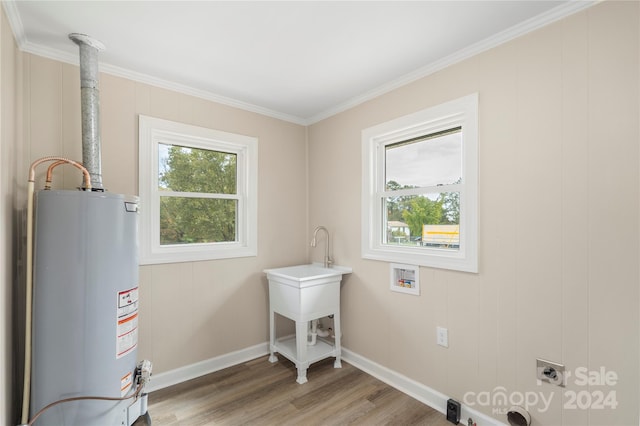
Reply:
x=559, y=221
x=9, y=153
x=189, y=311
x=559, y=227
x=196, y=310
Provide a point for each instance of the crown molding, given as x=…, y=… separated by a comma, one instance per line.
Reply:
x=505, y=36
x=203, y=94
x=107, y=68
x=516, y=31
x=13, y=16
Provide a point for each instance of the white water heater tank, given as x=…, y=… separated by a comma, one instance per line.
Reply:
x=85, y=306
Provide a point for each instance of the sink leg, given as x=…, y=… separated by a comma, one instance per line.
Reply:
x=301, y=350
x=338, y=333
x=302, y=376
x=272, y=337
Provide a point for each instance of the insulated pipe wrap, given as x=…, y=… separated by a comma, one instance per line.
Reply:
x=90, y=104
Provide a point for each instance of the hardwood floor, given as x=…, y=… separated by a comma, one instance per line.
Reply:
x=261, y=393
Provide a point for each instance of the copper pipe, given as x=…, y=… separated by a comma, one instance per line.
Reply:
x=60, y=160
x=135, y=395
x=26, y=391
x=47, y=183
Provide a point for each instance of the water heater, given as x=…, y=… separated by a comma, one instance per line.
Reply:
x=85, y=307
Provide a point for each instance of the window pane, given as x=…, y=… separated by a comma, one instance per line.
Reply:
x=184, y=169
x=431, y=160
x=197, y=220
x=431, y=220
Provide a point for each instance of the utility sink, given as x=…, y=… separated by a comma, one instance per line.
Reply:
x=307, y=275
x=304, y=293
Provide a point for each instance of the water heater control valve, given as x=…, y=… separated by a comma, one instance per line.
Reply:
x=144, y=371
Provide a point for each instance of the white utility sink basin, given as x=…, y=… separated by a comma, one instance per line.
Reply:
x=303, y=293
x=307, y=275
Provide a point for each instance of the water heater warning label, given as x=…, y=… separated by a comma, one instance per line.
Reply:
x=125, y=384
x=127, y=324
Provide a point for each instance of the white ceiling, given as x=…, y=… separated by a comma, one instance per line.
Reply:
x=300, y=61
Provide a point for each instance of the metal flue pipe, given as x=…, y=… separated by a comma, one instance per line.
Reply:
x=90, y=104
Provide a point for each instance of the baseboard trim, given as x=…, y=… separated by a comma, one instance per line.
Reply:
x=422, y=393
x=211, y=365
x=416, y=390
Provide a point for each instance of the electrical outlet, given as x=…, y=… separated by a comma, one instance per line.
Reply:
x=442, y=336
x=453, y=411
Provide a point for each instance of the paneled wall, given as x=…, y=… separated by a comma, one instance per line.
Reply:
x=190, y=311
x=559, y=216
x=8, y=155
x=559, y=225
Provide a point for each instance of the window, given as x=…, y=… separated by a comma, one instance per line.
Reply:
x=419, y=191
x=198, y=193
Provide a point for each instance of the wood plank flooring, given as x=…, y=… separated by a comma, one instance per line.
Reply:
x=261, y=393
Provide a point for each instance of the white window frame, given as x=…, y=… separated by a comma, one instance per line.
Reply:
x=155, y=131
x=459, y=112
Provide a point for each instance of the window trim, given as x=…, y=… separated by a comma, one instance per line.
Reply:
x=154, y=131
x=459, y=112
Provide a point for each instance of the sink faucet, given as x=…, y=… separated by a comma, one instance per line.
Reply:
x=327, y=259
